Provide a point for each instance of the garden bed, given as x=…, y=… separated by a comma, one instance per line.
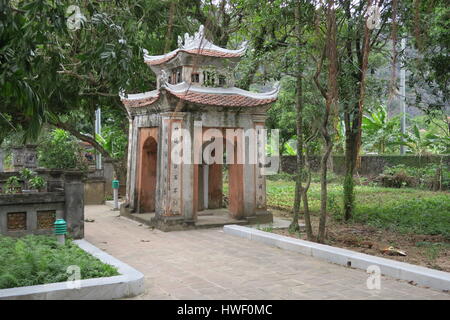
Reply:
x=35, y=260
x=411, y=220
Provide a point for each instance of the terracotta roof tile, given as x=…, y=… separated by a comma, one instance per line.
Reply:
x=224, y=100
x=137, y=103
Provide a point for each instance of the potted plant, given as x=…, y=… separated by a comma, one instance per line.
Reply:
x=12, y=185
x=26, y=174
x=36, y=183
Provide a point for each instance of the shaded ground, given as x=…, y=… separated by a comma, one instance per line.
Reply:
x=209, y=264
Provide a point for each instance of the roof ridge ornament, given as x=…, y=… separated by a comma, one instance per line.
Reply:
x=192, y=41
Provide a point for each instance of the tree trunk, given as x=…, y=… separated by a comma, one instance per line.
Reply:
x=353, y=118
x=349, y=172
x=294, y=227
x=323, y=185
x=330, y=112
x=304, y=195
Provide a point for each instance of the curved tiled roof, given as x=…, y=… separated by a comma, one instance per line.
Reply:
x=222, y=100
x=140, y=99
x=197, y=45
x=157, y=60
x=221, y=97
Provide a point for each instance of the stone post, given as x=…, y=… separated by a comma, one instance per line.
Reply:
x=108, y=174
x=74, y=204
x=1, y=159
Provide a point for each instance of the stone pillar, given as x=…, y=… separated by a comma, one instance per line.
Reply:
x=108, y=174
x=74, y=204
x=2, y=155
x=131, y=142
x=55, y=180
x=17, y=158
x=260, y=178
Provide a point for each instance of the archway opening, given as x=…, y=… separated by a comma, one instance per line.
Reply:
x=220, y=185
x=147, y=185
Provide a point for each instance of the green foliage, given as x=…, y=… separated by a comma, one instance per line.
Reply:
x=12, y=184
x=282, y=116
x=36, y=182
x=26, y=174
x=404, y=210
x=381, y=134
x=281, y=176
x=269, y=228
x=432, y=176
x=34, y=260
x=113, y=140
x=333, y=206
x=420, y=141
x=59, y=150
x=433, y=249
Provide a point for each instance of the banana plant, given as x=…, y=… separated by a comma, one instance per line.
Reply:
x=380, y=132
x=420, y=142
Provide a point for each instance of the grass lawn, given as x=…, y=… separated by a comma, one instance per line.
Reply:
x=402, y=210
x=34, y=260
x=415, y=221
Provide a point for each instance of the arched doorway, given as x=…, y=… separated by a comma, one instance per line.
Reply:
x=208, y=180
x=147, y=175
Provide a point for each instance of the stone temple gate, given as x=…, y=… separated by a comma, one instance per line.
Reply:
x=194, y=113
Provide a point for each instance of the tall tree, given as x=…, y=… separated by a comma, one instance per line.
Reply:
x=330, y=94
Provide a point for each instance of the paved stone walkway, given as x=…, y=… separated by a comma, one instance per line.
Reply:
x=208, y=264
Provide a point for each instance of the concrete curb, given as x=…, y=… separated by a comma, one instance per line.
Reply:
x=404, y=271
x=129, y=283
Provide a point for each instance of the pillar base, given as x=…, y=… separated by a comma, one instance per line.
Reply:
x=261, y=217
x=177, y=223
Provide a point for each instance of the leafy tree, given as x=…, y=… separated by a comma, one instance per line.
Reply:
x=59, y=150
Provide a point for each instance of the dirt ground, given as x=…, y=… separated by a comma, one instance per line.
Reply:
x=431, y=251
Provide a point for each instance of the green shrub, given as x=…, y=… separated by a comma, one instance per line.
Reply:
x=34, y=260
x=432, y=176
x=12, y=184
x=36, y=182
x=59, y=150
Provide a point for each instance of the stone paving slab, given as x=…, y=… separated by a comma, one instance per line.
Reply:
x=209, y=264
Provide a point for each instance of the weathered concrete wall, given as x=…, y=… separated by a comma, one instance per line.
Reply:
x=74, y=207
x=370, y=164
x=35, y=213
x=24, y=157
x=94, y=191
x=108, y=174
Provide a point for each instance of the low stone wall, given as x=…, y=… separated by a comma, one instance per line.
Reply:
x=370, y=164
x=35, y=213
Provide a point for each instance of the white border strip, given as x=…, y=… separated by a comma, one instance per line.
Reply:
x=404, y=271
x=129, y=283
